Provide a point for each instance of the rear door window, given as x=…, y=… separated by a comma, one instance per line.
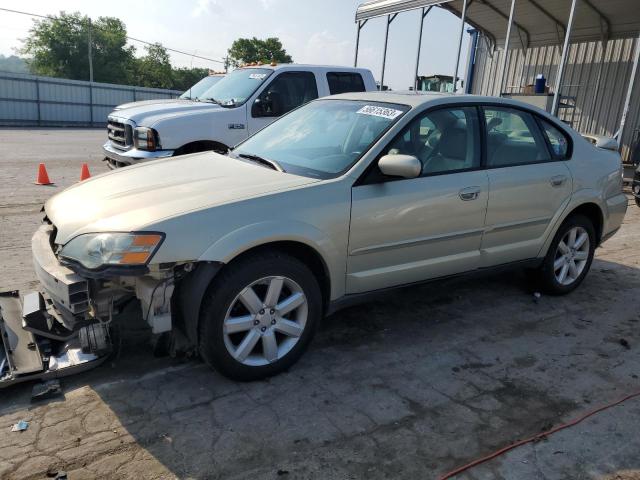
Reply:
x=513, y=138
x=344, y=82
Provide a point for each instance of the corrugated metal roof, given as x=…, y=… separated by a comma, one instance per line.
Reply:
x=537, y=22
x=378, y=8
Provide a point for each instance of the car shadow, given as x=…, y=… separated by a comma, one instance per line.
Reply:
x=422, y=379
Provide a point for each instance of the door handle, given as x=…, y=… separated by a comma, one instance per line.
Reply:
x=469, y=193
x=558, y=180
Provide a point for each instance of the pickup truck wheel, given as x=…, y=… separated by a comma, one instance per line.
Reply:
x=569, y=257
x=258, y=316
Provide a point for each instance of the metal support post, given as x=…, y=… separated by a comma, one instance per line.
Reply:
x=563, y=60
x=503, y=67
x=455, y=70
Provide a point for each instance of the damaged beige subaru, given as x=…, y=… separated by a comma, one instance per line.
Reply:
x=237, y=257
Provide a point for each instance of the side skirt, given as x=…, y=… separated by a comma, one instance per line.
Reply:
x=359, y=298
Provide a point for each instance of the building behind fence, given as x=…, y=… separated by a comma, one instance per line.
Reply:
x=46, y=101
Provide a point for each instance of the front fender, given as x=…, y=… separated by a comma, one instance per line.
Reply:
x=243, y=239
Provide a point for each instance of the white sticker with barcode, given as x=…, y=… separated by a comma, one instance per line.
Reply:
x=257, y=76
x=377, y=111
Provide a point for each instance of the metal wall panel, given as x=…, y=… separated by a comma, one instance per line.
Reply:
x=34, y=100
x=599, y=104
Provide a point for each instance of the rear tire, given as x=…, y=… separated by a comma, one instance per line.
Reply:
x=637, y=199
x=258, y=316
x=569, y=257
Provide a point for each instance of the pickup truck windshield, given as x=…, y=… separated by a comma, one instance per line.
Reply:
x=237, y=87
x=196, y=91
x=324, y=138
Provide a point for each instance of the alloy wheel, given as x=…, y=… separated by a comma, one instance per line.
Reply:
x=571, y=256
x=265, y=321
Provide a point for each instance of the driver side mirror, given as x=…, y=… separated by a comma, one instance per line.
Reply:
x=400, y=165
x=269, y=105
x=258, y=108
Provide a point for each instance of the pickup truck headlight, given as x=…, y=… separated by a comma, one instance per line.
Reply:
x=94, y=250
x=145, y=138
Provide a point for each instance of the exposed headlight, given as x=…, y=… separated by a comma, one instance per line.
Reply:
x=94, y=250
x=145, y=138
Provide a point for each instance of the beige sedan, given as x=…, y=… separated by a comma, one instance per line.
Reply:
x=238, y=257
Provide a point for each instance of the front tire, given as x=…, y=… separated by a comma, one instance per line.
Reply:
x=569, y=257
x=258, y=316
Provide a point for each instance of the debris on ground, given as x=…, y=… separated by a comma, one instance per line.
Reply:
x=21, y=426
x=537, y=296
x=283, y=472
x=625, y=343
x=45, y=390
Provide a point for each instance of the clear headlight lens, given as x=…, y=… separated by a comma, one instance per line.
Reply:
x=94, y=250
x=145, y=138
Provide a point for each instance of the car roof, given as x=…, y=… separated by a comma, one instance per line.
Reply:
x=418, y=98
x=409, y=97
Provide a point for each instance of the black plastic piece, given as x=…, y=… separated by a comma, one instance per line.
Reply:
x=37, y=320
x=191, y=289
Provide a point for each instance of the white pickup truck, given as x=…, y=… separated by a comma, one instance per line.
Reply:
x=239, y=105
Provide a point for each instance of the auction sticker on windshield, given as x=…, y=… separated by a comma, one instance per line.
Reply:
x=257, y=76
x=377, y=111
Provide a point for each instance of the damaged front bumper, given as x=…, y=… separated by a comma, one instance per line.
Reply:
x=26, y=354
x=66, y=327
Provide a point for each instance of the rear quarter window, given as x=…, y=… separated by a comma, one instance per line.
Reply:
x=558, y=140
x=344, y=82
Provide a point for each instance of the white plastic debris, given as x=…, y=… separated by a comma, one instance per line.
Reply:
x=21, y=426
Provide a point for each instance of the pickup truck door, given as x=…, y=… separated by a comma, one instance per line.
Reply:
x=288, y=90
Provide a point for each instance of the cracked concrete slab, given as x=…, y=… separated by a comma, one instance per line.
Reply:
x=410, y=386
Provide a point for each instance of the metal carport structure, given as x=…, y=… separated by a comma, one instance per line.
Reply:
x=602, y=34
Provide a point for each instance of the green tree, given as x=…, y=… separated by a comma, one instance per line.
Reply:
x=154, y=69
x=58, y=47
x=183, y=78
x=249, y=50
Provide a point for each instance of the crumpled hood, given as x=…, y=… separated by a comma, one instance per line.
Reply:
x=133, y=198
x=150, y=114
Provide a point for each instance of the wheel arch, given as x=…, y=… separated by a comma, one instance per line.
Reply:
x=594, y=213
x=301, y=251
x=193, y=286
x=585, y=203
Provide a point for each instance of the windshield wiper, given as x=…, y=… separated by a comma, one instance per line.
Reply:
x=212, y=100
x=269, y=163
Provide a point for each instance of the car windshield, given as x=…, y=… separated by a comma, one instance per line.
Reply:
x=202, y=86
x=237, y=87
x=323, y=138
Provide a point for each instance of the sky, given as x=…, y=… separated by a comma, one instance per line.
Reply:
x=312, y=31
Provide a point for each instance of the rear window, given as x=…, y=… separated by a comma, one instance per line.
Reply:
x=344, y=82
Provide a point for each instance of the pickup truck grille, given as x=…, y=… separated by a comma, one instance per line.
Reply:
x=120, y=134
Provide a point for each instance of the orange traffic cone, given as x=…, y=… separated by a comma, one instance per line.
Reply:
x=43, y=176
x=84, y=172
